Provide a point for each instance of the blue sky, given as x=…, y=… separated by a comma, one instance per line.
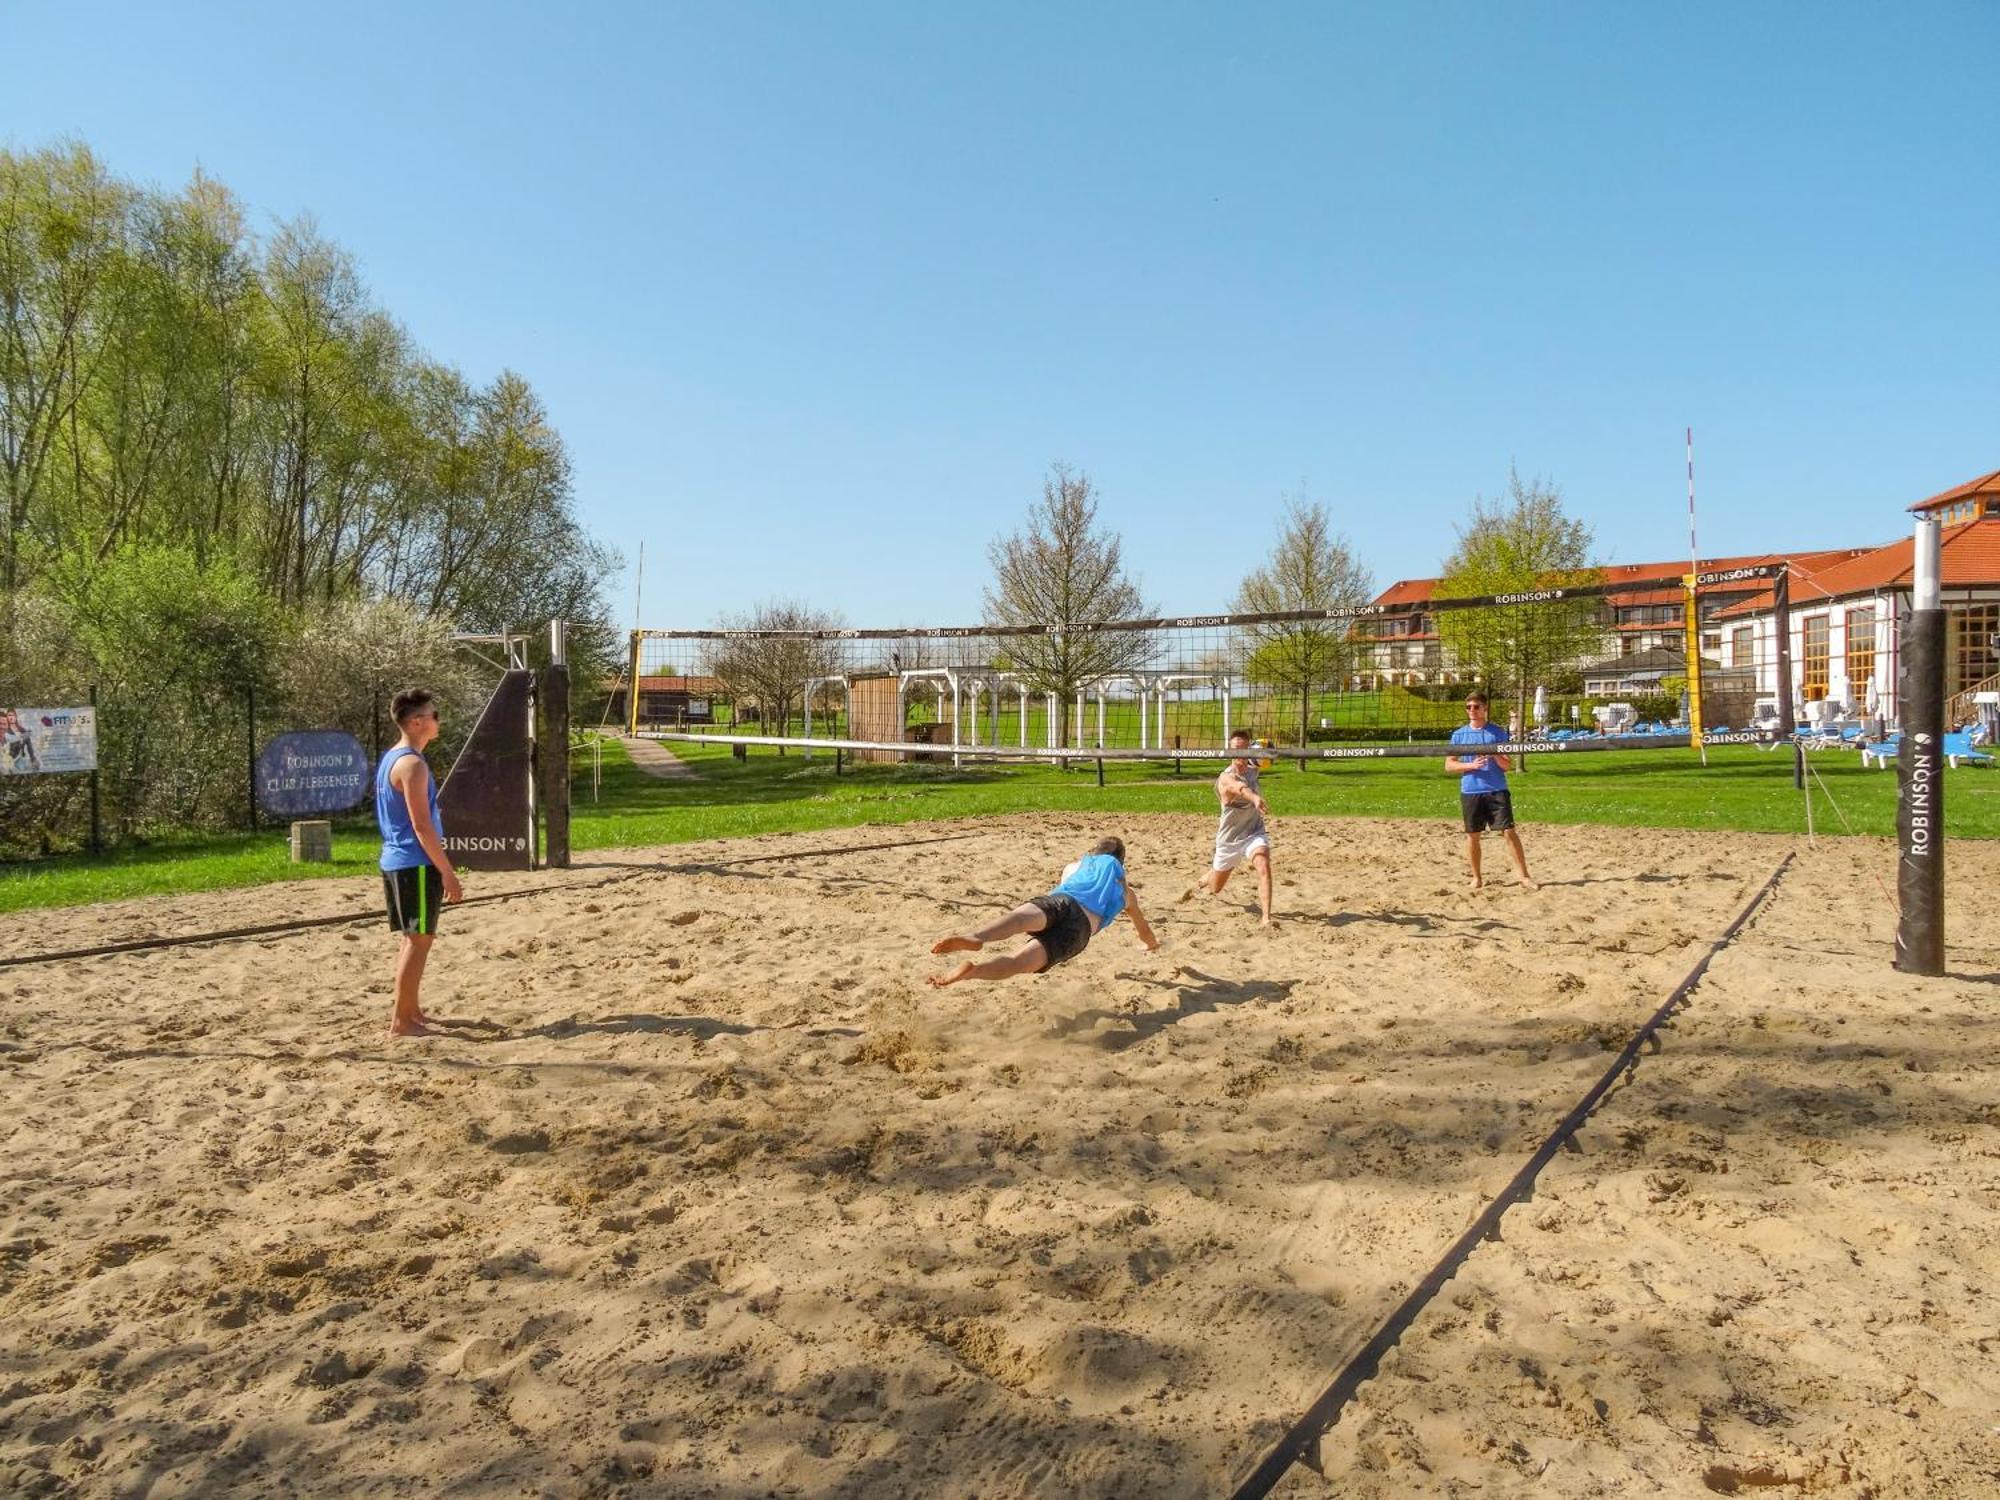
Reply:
x=817, y=292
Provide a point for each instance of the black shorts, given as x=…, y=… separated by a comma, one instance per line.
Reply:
x=1484, y=810
x=414, y=897
x=1067, y=931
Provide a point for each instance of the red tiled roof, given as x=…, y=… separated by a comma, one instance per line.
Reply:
x=1985, y=484
x=1411, y=591
x=1969, y=553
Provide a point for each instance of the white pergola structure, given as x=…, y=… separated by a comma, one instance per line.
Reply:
x=1152, y=690
x=1159, y=686
x=1019, y=684
x=966, y=685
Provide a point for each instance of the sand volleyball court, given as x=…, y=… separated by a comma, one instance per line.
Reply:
x=705, y=1194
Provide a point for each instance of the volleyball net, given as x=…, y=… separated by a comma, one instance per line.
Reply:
x=1632, y=664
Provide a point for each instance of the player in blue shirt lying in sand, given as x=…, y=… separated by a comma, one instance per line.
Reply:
x=1089, y=897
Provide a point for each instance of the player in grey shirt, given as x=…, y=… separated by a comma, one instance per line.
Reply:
x=1240, y=835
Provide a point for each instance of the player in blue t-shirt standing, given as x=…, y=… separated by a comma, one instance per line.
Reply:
x=417, y=876
x=1089, y=897
x=1483, y=797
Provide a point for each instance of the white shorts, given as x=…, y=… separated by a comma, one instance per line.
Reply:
x=1229, y=855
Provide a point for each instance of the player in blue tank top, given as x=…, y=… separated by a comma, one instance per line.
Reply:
x=417, y=874
x=1090, y=895
x=1483, y=799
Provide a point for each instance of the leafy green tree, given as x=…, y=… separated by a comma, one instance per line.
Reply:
x=61, y=222
x=1311, y=567
x=180, y=398
x=1060, y=571
x=175, y=650
x=1524, y=544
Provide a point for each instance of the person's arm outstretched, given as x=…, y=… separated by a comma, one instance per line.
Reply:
x=1140, y=925
x=1234, y=788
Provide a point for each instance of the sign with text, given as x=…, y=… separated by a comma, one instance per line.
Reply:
x=487, y=801
x=311, y=772
x=47, y=739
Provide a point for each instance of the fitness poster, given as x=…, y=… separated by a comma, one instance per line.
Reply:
x=47, y=739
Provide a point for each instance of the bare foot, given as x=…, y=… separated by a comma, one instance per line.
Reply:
x=939, y=981
x=1269, y=924
x=409, y=1028
x=957, y=943
x=1477, y=883
x=1530, y=884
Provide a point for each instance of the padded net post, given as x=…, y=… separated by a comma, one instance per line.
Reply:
x=1920, y=768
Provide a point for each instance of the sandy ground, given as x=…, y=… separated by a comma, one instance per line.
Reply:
x=707, y=1195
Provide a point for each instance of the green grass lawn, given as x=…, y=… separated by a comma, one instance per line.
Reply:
x=1742, y=788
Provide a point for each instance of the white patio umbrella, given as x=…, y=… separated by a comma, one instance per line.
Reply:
x=1541, y=705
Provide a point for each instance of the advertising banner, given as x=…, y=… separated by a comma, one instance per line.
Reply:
x=47, y=739
x=487, y=801
x=312, y=772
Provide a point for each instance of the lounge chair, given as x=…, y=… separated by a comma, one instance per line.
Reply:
x=1959, y=747
x=1881, y=752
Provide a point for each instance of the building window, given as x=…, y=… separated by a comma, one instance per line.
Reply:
x=1972, y=659
x=1742, y=647
x=1860, y=649
x=1818, y=656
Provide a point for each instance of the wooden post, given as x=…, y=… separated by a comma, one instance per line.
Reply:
x=250, y=780
x=96, y=822
x=555, y=751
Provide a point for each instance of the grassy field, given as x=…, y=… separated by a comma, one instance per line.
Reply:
x=1742, y=788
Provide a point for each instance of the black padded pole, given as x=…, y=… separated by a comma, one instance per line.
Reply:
x=1920, y=804
x=1920, y=763
x=1781, y=616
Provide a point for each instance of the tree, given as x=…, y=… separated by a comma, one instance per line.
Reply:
x=61, y=225
x=1524, y=544
x=771, y=654
x=1063, y=575
x=191, y=411
x=1310, y=568
x=350, y=659
x=174, y=649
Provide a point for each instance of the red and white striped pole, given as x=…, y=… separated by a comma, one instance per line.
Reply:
x=1691, y=607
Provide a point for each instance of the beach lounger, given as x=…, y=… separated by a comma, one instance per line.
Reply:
x=1959, y=747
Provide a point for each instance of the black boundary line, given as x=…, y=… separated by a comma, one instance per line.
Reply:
x=306, y=924
x=1323, y=1413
